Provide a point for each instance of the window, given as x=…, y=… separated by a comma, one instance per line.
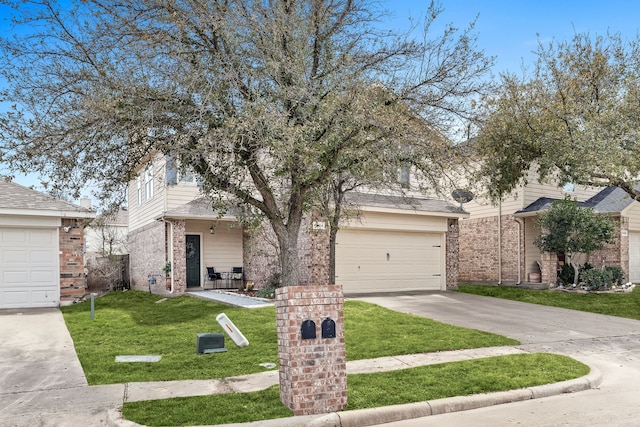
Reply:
x=148, y=183
x=139, y=190
x=405, y=176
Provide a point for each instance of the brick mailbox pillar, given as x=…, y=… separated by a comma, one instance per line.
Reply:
x=313, y=366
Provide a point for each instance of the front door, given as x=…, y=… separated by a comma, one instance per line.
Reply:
x=193, y=260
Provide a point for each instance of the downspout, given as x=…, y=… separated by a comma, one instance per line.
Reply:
x=500, y=242
x=519, y=249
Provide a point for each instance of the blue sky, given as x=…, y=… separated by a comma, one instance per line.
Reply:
x=510, y=29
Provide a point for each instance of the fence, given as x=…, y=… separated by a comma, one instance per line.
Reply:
x=110, y=273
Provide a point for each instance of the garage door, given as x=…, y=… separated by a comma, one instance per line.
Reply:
x=29, y=272
x=374, y=261
x=634, y=257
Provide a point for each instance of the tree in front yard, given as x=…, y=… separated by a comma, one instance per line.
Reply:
x=266, y=100
x=573, y=230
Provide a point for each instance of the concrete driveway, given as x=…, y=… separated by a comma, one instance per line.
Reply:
x=611, y=344
x=41, y=379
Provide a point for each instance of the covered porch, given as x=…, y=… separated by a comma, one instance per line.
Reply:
x=205, y=249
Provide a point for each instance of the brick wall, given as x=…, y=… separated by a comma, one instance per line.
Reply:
x=179, y=264
x=313, y=376
x=453, y=253
x=73, y=281
x=479, y=246
x=261, y=255
x=147, y=256
x=616, y=253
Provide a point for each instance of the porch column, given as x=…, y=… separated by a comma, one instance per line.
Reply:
x=549, y=268
x=179, y=258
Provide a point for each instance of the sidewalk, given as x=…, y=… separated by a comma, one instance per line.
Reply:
x=364, y=417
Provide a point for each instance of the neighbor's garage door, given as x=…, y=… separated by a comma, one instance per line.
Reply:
x=372, y=260
x=29, y=272
x=634, y=257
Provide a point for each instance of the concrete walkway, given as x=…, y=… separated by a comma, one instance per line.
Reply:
x=41, y=381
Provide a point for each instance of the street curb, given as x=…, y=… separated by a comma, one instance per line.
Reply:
x=388, y=414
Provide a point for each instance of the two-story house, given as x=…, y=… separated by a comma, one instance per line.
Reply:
x=393, y=244
x=497, y=241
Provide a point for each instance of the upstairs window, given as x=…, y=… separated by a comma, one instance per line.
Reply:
x=139, y=190
x=148, y=182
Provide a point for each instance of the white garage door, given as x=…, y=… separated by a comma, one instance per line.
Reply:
x=374, y=261
x=634, y=257
x=29, y=272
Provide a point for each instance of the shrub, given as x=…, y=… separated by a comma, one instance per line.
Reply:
x=597, y=279
x=566, y=275
x=617, y=274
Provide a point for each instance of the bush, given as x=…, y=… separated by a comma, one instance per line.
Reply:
x=617, y=274
x=269, y=291
x=566, y=275
x=597, y=279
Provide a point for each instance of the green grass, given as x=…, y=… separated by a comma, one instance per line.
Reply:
x=369, y=390
x=613, y=304
x=132, y=323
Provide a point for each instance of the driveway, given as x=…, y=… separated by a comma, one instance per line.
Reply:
x=611, y=344
x=41, y=379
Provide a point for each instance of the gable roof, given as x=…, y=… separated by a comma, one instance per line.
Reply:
x=608, y=200
x=16, y=199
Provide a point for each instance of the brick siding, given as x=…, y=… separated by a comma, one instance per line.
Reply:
x=313, y=371
x=147, y=256
x=73, y=280
x=479, y=247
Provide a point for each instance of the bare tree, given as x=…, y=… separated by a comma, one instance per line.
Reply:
x=266, y=100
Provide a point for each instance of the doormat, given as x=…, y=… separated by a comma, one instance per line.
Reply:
x=150, y=358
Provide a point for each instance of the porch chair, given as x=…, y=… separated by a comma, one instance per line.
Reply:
x=237, y=275
x=213, y=276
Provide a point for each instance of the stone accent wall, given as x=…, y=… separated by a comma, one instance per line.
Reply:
x=73, y=280
x=147, y=256
x=452, y=253
x=313, y=376
x=479, y=245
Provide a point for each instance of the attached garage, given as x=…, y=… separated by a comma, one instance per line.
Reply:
x=394, y=246
x=41, y=248
x=29, y=267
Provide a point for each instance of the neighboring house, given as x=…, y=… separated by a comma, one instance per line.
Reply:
x=392, y=246
x=497, y=242
x=107, y=234
x=41, y=249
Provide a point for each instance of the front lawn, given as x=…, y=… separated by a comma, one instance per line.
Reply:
x=137, y=323
x=368, y=390
x=612, y=304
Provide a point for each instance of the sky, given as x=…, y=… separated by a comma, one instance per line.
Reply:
x=508, y=29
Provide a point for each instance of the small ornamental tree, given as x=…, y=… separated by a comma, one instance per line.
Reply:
x=573, y=230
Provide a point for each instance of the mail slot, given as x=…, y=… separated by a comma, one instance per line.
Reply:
x=328, y=328
x=308, y=330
